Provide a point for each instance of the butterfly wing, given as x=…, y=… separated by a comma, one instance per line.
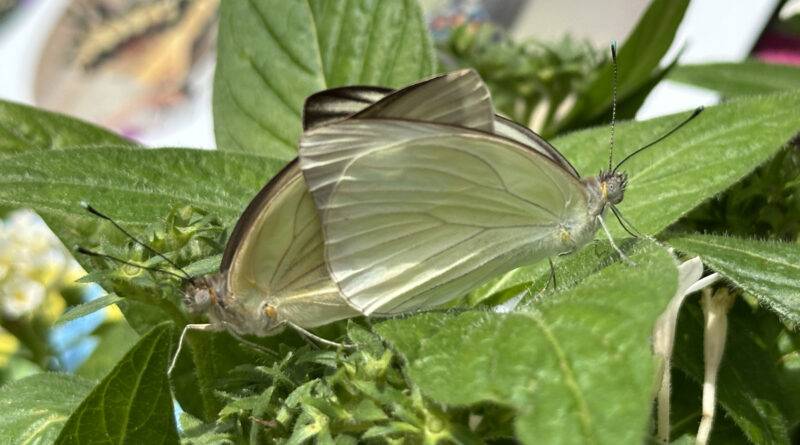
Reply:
x=340, y=103
x=459, y=98
x=275, y=253
x=526, y=136
x=417, y=213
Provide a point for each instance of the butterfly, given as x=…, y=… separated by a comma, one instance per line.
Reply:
x=399, y=201
x=273, y=273
x=421, y=207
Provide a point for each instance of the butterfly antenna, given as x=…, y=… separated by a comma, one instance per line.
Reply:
x=613, y=100
x=85, y=251
x=95, y=212
x=694, y=114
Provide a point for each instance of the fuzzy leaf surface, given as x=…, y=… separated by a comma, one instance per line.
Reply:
x=558, y=362
x=132, y=404
x=705, y=157
x=88, y=308
x=135, y=187
x=768, y=270
x=35, y=408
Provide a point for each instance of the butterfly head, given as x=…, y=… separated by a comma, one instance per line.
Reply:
x=204, y=292
x=612, y=184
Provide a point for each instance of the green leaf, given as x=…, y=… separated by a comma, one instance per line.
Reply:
x=133, y=403
x=135, y=187
x=737, y=79
x=705, y=157
x=24, y=128
x=372, y=42
x=638, y=57
x=87, y=308
x=272, y=54
x=530, y=281
x=195, y=432
x=558, y=363
x=36, y=407
x=756, y=391
x=768, y=270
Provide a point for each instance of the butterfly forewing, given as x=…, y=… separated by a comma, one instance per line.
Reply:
x=422, y=213
x=525, y=136
x=458, y=98
x=279, y=255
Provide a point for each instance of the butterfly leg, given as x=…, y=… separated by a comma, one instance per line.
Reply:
x=552, y=275
x=317, y=338
x=193, y=327
x=613, y=244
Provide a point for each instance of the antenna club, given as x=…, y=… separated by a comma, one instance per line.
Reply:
x=93, y=211
x=614, y=49
x=84, y=251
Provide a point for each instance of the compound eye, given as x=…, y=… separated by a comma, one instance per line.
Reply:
x=199, y=301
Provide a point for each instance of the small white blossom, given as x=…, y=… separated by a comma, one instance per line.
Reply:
x=33, y=262
x=689, y=281
x=20, y=296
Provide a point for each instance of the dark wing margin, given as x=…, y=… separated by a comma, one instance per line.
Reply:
x=339, y=103
x=256, y=206
x=458, y=98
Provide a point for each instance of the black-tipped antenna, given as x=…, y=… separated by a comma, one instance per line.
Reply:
x=94, y=211
x=695, y=113
x=613, y=100
x=85, y=251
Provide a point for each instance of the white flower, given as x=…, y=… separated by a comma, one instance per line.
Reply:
x=689, y=281
x=18, y=296
x=33, y=262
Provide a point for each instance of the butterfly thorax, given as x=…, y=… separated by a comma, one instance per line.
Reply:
x=210, y=294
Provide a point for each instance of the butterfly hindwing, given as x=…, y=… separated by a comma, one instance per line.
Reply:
x=458, y=97
x=340, y=103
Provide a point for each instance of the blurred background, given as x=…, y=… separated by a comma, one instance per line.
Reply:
x=145, y=69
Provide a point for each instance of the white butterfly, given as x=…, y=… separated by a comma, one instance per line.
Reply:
x=422, y=206
x=424, y=194
x=273, y=272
